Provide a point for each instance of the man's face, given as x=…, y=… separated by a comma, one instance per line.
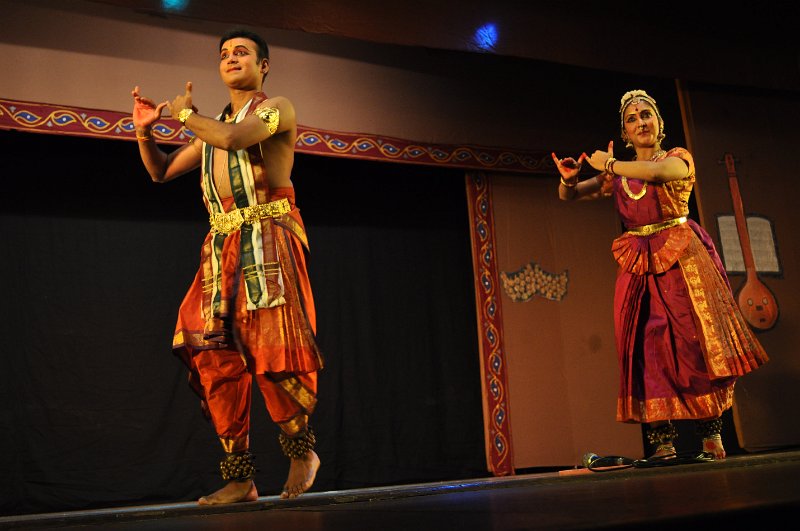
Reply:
x=239, y=66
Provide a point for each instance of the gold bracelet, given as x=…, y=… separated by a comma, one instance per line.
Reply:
x=609, y=167
x=148, y=137
x=184, y=115
x=573, y=185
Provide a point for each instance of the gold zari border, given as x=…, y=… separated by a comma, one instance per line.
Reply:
x=294, y=426
x=729, y=345
x=713, y=404
x=239, y=444
x=299, y=393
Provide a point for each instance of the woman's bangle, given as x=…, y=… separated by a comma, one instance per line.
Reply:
x=565, y=183
x=147, y=137
x=609, y=167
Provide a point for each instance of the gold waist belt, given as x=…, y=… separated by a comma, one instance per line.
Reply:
x=232, y=221
x=647, y=230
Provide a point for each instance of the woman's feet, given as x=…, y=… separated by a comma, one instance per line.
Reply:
x=713, y=445
x=661, y=434
x=710, y=430
x=664, y=451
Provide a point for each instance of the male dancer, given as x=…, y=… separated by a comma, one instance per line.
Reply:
x=249, y=312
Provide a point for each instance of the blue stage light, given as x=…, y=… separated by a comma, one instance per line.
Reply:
x=485, y=37
x=174, y=5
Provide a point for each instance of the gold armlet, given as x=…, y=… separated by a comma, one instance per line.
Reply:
x=567, y=185
x=271, y=117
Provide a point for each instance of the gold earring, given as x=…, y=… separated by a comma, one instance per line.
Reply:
x=628, y=143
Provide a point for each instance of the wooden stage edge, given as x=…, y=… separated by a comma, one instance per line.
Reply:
x=317, y=499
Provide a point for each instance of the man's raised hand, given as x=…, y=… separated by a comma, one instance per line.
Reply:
x=182, y=101
x=145, y=111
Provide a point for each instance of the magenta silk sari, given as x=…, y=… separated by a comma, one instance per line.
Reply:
x=681, y=339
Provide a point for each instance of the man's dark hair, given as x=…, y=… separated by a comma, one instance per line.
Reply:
x=263, y=49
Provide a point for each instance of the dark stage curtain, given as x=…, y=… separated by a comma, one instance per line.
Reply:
x=95, y=410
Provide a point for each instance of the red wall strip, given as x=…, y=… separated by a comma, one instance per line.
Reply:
x=494, y=381
x=64, y=120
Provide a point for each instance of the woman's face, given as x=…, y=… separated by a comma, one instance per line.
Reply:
x=641, y=124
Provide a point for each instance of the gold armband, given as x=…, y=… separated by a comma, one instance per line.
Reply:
x=184, y=115
x=271, y=117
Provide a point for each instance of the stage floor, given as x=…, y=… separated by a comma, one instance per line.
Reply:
x=743, y=490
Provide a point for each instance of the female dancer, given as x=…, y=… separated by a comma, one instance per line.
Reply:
x=681, y=339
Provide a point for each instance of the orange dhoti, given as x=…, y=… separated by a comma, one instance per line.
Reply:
x=226, y=382
x=225, y=342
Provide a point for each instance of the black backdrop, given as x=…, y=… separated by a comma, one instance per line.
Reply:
x=95, y=410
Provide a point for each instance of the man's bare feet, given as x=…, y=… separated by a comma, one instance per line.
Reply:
x=233, y=492
x=713, y=446
x=301, y=475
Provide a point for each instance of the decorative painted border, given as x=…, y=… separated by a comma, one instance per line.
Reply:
x=389, y=149
x=494, y=381
x=77, y=121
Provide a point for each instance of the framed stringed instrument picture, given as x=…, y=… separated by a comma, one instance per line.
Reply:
x=756, y=302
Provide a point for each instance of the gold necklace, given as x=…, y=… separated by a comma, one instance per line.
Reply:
x=643, y=191
x=630, y=194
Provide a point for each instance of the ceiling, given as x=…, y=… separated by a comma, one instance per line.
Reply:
x=750, y=43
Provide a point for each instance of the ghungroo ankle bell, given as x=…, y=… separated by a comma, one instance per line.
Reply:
x=707, y=429
x=238, y=466
x=664, y=434
x=299, y=445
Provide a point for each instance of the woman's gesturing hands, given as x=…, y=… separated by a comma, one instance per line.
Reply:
x=569, y=168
